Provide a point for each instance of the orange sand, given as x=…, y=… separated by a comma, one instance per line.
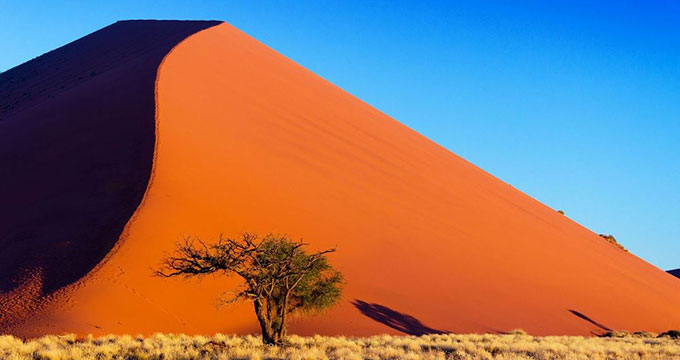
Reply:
x=247, y=140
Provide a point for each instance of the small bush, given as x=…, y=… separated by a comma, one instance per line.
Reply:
x=673, y=334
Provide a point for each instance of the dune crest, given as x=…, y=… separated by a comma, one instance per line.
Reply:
x=247, y=140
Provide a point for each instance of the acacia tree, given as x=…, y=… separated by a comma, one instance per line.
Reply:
x=279, y=277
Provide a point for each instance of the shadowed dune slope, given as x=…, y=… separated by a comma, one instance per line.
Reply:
x=76, y=149
x=247, y=140
x=675, y=272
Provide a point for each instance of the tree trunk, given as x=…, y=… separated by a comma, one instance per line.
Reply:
x=283, y=311
x=269, y=335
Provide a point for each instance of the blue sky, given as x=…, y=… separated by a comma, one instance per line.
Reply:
x=576, y=103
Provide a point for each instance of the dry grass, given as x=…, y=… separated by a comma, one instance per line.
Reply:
x=612, y=240
x=506, y=347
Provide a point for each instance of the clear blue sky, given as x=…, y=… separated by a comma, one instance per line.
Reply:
x=577, y=103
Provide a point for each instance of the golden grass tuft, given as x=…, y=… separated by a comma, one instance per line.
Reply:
x=612, y=240
x=513, y=346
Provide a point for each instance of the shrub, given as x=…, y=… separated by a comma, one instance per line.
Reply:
x=673, y=334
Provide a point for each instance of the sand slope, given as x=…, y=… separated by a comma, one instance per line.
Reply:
x=247, y=140
x=76, y=150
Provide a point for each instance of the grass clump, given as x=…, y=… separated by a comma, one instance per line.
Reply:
x=644, y=334
x=612, y=240
x=616, y=334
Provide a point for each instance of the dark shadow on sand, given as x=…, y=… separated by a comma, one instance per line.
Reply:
x=588, y=319
x=77, y=135
x=394, y=319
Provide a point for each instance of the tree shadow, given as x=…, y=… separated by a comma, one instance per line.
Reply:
x=586, y=318
x=394, y=319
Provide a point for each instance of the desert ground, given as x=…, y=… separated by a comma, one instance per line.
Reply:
x=514, y=346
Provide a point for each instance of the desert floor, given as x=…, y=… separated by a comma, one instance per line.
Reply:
x=441, y=346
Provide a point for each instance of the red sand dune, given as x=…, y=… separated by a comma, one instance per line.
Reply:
x=247, y=140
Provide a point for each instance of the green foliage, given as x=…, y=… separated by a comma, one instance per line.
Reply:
x=318, y=287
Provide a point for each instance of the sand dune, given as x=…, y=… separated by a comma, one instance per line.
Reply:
x=76, y=149
x=675, y=272
x=244, y=139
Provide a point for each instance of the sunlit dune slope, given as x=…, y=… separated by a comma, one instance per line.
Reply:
x=247, y=140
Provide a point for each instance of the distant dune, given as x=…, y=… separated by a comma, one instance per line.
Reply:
x=118, y=145
x=675, y=272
